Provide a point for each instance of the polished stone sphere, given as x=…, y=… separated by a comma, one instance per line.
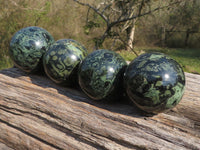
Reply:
x=100, y=75
x=27, y=47
x=154, y=82
x=62, y=59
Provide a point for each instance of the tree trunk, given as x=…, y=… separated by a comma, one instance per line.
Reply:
x=187, y=38
x=131, y=35
x=163, y=36
x=37, y=114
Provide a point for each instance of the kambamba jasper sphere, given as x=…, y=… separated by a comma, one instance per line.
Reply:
x=154, y=82
x=27, y=47
x=100, y=75
x=62, y=59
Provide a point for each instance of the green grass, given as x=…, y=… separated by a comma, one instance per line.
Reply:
x=5, y=62
x=189, y=59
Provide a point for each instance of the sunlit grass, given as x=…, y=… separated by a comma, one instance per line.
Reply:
x=5, y=62
x=189, y=59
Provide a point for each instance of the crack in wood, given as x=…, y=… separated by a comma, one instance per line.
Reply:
x=52, y=124
x=31, y=135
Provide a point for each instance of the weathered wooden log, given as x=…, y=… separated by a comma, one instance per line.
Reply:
x=35, y=113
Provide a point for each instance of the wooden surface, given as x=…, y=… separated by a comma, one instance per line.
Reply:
x=37, y=114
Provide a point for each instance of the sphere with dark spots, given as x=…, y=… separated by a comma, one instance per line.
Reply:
x=62, y=59
x=101, y=75
x=28, y=46
x=154, y=82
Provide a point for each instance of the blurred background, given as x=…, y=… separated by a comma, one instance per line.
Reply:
x=129, y=27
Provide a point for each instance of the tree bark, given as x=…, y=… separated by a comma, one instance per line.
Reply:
x=131, y=36
x=187, y=38
x=163, y=36
x=35, y=113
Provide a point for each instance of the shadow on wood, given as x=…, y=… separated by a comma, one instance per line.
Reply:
x=35, y=113
x=74, y=93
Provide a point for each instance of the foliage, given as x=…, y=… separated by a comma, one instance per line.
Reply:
x=185, y=20
x=16, y=16
x=60, y=18
x=120, y=18
x=67, y=19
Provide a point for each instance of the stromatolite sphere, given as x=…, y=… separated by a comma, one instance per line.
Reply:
x=62, y=59
x=100, y=75
x=28, y=46
x=154, y=82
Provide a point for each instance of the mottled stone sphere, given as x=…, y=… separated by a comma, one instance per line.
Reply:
x=62, y=59
x=27, y=47
x=154, y=82
x=100, y=75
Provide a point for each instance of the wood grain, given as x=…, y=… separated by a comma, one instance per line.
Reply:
x=35, y=113
x=4, y=147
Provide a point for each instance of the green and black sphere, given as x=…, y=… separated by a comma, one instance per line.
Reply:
x=101, y=73
x=154, y=82
x=62, y=59
x=27, y=47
